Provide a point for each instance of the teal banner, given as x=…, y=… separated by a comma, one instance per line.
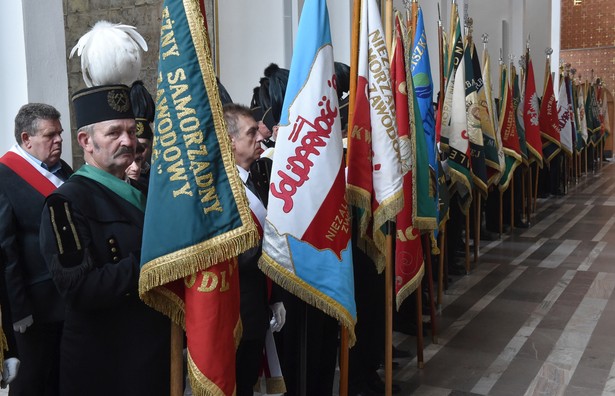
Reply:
x=197, y=213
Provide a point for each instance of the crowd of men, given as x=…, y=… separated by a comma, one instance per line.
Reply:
x=71, y=247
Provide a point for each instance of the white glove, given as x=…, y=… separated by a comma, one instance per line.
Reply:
x=279, y=316
x=23, y=324
x=10, y=368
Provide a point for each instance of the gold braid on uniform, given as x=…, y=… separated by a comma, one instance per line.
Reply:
x=72, y=261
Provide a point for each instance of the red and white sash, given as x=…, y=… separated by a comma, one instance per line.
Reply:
x=41, y=179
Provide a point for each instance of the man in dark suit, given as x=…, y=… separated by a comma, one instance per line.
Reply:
x=91, y=231
x=255, y=310
x=30, y=171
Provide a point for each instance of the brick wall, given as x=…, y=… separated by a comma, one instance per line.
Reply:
x=588, y=41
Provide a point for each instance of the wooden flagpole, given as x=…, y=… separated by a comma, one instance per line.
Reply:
x=415, y=16
x=536, y=186
x=575, y=172
x=177, y=369
x=426, y=243
x=440, y=60
x=467, y=247
x=419, y=327
x=512, y=203
x=441, y=266
x=354, y=60
x=527, y=189
x=388, y=350
x=501, y=224
x=477, y=220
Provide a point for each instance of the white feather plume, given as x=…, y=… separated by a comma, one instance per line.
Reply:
x=110, y=54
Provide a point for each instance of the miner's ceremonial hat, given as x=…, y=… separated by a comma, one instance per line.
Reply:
x=143, y=108
x=102, y=103
x=278, y=79
x=257, y=113
x=264, y=115
x=110, y=62
x=269, y=120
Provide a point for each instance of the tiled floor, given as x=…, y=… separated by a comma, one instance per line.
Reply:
x=536, y=316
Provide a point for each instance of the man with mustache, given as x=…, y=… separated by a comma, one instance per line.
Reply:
x=91, y=231
x=29, y=172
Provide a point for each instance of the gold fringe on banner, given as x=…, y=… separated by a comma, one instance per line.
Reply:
x=410, y=287
x=295, y=285
x=185, y=262
x=369, y=248
x=201, y=385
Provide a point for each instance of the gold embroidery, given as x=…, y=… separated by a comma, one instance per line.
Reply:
x=72, y=226
x=55, y=230
x=118, y=100
x=140, y=129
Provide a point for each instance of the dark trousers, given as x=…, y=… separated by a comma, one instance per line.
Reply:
x=454, y=229
x=249, y=358
x=38, y=350
x=320, y=350
x=367, y=353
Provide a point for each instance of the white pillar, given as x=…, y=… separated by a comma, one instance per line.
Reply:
x=34, y=66
x=252, y=34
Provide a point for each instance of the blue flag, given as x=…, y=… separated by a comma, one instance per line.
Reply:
x=306, y=247
x=427, y=210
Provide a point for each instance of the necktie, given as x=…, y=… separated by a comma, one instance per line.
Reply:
x=60, y=174
x=251, y=186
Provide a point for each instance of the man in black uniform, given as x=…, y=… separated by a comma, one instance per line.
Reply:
x=30, y=171
x=254, y=305
x=91, y=231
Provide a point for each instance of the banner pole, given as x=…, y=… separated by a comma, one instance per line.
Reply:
x=420, y=344
x=354, y=65
x=177, y=371
x=388, y=349
x=501, y=206
x=524, y=184
x=477, y=225
x=354, y=60
x=512, y=203
x=388, y=23
x=344, y=361
x=467, y=241
x=441, y=267
x=535, y=198
x=426, y=243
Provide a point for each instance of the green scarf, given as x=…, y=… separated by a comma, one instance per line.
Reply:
x=118, y=186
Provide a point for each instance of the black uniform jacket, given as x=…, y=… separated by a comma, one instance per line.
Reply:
x=112, y=342
x=256, y=296
x=254, y=307
x=29, y=285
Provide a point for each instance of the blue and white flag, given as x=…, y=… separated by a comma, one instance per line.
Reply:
x=306, y=246
x=427, y=195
